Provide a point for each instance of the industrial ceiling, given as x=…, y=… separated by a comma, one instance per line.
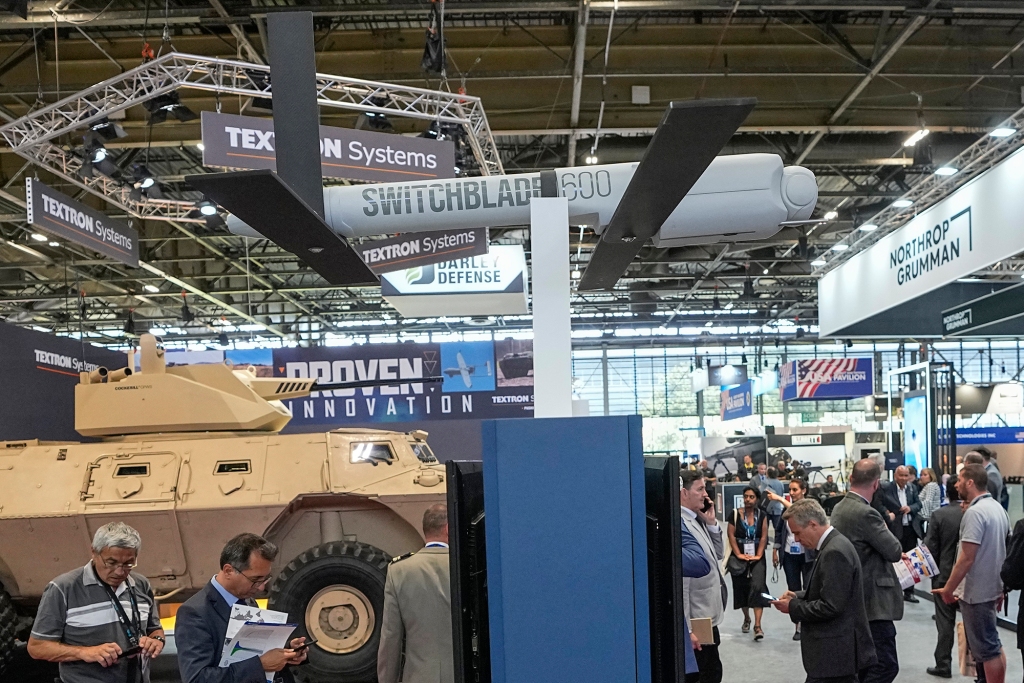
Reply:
x=841, y=87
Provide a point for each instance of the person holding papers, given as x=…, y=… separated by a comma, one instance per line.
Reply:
x=202, y=622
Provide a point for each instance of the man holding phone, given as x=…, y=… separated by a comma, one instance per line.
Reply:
x=703, y=597
x=100, y=621
x=202, y=622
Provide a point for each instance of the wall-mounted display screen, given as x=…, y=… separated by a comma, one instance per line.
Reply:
x=916, y=442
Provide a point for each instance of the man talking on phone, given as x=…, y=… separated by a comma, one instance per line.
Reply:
x=100, y=621
x=202, y=622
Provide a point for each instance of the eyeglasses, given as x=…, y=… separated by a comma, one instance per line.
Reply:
x=255, y=582
x=113, y=564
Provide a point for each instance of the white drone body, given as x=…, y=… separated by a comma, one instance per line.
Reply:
x=742, y=197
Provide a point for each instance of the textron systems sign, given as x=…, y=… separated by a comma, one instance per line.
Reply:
x=57, y=213
x=974, y=227
x=248, y=142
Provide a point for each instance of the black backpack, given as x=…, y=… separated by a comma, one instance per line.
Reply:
x=1012, y=572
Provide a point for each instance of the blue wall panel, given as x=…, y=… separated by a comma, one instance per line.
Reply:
x=566, y=550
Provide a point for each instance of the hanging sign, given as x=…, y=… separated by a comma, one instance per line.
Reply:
x=826, y=379
x=421, y=249
x=59, y=214
x=233, y=141
x=737, y=402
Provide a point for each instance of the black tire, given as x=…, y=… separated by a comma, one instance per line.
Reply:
x=345, y=563
x=8, y=625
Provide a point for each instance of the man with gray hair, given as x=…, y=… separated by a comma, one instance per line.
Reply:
x=831, y=611
x=100, y=621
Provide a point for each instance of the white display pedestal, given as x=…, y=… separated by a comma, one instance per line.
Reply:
x=552, y=329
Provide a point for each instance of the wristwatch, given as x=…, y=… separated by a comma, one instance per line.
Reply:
x=160, y=638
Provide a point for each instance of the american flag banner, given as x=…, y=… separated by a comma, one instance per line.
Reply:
x=826, y=378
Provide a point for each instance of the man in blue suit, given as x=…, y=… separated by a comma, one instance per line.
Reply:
x=202, y=622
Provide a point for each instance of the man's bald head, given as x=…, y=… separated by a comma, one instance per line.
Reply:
x=865, y=472
x=902, y=476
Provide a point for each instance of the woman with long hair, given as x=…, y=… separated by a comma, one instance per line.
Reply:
x=748, y=536
x=796, y=560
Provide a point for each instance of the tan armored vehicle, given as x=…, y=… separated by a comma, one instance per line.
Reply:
x=191, y=456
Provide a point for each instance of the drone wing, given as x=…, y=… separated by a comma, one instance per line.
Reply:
x=690, y=136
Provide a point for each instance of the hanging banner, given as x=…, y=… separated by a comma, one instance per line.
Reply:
x=421, y=249
x=232, y=141
x=59, y=214
x=737, y=402
x=481, y=380
x=826, y=379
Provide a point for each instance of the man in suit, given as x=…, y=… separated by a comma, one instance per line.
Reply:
x=831, y=610
x=877, y=549
x=943, y=536
x=902, y=498
x=418, y=611
x=704, y=597
x=202, y=622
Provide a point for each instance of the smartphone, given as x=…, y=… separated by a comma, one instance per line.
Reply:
x=130, y=652
x=768, y=597
x=708, y=505
x=309, y=641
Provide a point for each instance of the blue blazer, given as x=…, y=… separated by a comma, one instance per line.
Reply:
x=199, y=630
x=695, y=565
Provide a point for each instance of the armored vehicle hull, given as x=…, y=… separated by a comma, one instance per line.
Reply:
x=339, y=504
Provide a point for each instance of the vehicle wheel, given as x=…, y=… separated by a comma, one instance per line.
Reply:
x=335, y=593
x=8, y=624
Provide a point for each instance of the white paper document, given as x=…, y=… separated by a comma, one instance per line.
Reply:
x=242, y=614
x=253, y=640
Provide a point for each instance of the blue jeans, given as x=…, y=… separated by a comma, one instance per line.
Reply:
x=981, y=629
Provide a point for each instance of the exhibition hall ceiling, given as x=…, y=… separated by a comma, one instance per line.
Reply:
x=840, y=91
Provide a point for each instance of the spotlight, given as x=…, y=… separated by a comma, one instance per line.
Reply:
x=152, y=289
x=375, y=120
x=818, y=263
x=108, y=129
x=591, y=159
x=831, y=215
x=1002, y=132
x=201, y=147
x=129, y=323
x=946, y=171
x=207, y=208
x=916, y=137
x=38, y=237
x=143, y=184
x=96, y=158
x=576, y=274
x=54, y=244
x=902, y=203
x=186, y=313
x=868, y=227
x=222, y=339
x=168, y=103
x=840, y=247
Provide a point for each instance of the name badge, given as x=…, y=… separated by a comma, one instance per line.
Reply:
x=796, y=549
x=748, y=549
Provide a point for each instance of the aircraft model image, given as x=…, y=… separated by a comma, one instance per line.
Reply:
x=680, y=193
x=465, y=370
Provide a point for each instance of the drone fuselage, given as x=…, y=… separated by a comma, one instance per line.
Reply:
x=738, y=198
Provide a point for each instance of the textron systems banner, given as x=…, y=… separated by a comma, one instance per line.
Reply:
x=481, y=380
x=39, y=373
x=826, y=379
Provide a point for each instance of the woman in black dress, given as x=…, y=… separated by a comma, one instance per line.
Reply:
x=748, y=536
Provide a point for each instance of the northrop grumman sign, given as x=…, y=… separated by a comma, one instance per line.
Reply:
x=57, y=213
x=972, y=228
x=248, y=142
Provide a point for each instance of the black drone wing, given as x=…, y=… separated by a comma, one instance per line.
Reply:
x=690, y=136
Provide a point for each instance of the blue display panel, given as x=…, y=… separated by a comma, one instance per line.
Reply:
x=916, y=440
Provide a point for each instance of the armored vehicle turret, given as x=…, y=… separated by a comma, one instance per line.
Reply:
x=191, y=456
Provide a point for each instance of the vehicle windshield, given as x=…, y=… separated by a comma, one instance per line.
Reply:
x=423, y=452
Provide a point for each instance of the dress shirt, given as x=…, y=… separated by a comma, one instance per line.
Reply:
x=902, y=493
x=231, y=599
x=823, y=536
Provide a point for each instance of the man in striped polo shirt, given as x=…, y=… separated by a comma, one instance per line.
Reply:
x=100, y=621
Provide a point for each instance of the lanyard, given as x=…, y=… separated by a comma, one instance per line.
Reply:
x=132, y=628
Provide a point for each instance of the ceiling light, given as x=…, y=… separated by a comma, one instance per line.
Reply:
x=168, y=103
x=831, y=215
x=576, y=275
x=152, y=289
x=97, y=154
x=902, y=203
x=1002, y=132
x=765, y=272
x=201, y=147
x=916, y=137
x=868, y=227
x=708, y=324
x=54, y=244
x=108, y=129
x=207, y=208
x=39, y=238
x=591, y=159
x=840, y=247
x=946, y=170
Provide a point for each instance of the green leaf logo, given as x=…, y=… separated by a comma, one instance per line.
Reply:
x=414, y=274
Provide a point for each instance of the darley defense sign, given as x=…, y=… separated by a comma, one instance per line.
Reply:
x=59, y=214
x=248, y=142
x=975, y=226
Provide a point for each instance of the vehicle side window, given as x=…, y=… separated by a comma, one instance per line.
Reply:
x=132, y=470
x=372, y=452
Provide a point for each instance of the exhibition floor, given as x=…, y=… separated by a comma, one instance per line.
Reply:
x=773, y=660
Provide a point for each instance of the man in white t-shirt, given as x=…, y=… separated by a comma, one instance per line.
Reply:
x=975, y=581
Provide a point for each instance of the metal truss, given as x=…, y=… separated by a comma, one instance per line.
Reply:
x=972, y=162
x=32, y=135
